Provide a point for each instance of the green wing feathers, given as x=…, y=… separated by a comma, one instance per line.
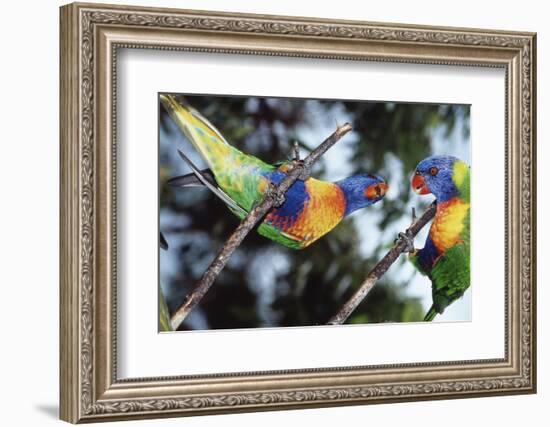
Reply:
x=239, y=175
x=198, y=130
x=450, y=276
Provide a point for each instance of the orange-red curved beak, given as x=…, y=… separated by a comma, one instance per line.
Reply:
x=419, y=185
x=375, y=191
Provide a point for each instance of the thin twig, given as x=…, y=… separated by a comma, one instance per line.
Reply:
x=299, y=170
x=381, y=267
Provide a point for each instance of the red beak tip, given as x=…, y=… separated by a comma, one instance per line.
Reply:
x=419, y=185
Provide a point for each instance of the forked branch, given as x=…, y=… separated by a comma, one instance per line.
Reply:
x=299, y=170
x=380, y=268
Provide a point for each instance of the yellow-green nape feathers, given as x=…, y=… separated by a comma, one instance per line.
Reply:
x=461, y=179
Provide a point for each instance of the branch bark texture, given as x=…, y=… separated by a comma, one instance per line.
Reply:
x=380, y=269
x=299, y=170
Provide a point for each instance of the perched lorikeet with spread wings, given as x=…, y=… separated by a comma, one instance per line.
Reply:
x=445, y=257
x=311, y=207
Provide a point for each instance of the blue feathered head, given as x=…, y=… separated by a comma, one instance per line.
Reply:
x=436, y=175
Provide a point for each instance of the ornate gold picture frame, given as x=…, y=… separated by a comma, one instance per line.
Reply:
x=91, y=37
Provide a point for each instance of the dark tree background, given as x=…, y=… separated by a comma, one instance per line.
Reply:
x=268, y=285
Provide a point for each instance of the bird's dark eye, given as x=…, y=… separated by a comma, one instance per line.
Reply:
x=417, y=172
x=377, y=189
x=433, y=171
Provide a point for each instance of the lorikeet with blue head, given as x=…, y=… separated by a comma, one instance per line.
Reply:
x=445, y=257
x=311, y=207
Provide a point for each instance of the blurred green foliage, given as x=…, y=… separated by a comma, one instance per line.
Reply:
x=267, y=285
x=164, y=315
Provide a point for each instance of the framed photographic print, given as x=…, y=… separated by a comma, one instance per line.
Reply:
x=266, y=212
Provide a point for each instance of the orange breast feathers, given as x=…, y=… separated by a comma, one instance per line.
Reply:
x=448, y=223
x=321, y=213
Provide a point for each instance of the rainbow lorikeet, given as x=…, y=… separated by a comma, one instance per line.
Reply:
x=445, y=257
x=311, y=207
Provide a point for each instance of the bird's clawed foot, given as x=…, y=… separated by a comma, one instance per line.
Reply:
x=297, y=161
x=273, y=193
x=407, y=236
x=305, y=170
x=408, y=239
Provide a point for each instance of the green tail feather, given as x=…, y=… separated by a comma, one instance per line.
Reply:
x=432, y=312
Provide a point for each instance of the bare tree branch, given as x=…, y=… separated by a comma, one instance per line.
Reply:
x=299, y=170
x=380, y=268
